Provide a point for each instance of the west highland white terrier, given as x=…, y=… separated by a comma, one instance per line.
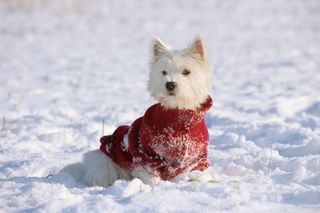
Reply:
x=171, y=138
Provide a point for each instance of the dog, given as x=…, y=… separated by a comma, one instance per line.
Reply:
x=171, y=138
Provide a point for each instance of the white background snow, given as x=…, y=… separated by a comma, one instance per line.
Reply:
x=67, y=65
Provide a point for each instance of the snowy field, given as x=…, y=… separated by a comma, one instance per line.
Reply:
x=65, y=66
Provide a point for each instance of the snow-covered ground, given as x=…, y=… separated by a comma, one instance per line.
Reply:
x=65, y=66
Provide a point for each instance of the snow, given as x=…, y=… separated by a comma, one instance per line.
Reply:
x=65, y=66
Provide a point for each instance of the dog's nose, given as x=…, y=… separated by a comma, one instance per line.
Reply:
x=171, y=85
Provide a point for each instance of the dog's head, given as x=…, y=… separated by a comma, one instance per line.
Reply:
x=179, y=78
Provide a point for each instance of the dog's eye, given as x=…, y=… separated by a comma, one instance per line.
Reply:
x=186, y=72
x=164, y=72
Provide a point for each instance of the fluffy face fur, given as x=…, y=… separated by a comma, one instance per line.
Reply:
x=179, y=78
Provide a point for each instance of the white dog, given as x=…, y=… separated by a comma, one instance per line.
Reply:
x=171, y=138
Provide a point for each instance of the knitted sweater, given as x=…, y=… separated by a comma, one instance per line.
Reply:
x=165, y=142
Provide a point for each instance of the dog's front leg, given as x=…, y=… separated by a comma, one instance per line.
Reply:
x=145, y=176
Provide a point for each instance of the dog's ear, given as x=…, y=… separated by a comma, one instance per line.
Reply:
x=158, y=48
x=197, y=49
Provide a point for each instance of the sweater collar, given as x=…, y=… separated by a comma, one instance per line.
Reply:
x=178, y=119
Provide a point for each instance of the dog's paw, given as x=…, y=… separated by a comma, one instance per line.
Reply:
x=146, y=177
x=152, y=181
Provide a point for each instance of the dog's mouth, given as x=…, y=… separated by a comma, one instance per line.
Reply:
x=171, y=94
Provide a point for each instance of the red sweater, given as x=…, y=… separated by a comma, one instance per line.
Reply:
x=165, y=142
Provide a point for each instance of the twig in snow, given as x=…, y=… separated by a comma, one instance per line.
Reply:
x=50, y=174
x=229, y=171
x=270, y=159
x=244, y=172
x=3, y=122
x=64, y=136
x=103, y=127
x=315, y=164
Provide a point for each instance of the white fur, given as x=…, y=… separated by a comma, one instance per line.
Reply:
x=96, y=169
x=145, y=176
x=191, y=91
